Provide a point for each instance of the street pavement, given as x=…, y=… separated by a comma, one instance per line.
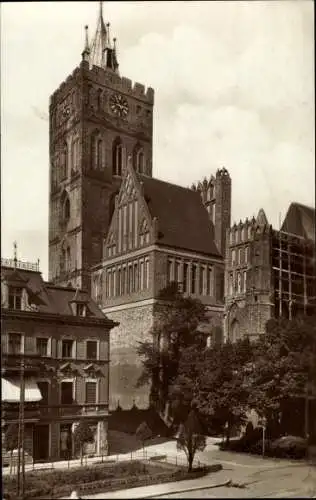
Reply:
x=250, y=476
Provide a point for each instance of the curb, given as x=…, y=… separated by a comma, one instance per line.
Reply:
x=194, y=488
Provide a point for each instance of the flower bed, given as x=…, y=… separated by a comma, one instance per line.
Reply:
x=93, y=479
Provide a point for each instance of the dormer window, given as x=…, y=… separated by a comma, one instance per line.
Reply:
x=80, y=309
x=15, y=298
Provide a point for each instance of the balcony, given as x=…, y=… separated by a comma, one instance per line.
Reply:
x=72, y=411
x=33, y=365
x=10, y=412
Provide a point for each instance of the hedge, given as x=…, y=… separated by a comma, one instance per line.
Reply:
x=88, y=480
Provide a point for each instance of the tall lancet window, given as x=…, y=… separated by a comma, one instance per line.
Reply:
x=117, y=157
x=64, y=161
x=96, y=150
x=139, y=159
x=99, y=154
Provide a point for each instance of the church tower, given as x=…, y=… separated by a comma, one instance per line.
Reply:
x=97, y=120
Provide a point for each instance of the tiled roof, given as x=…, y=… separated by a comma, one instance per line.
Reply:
x=50, y=298
x=183, y=221
x=300, y=220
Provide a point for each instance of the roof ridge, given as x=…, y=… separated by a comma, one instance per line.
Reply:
x=167, y=182
x=302, y=205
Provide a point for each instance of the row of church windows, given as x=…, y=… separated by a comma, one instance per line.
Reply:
x=194, y=278
x=242, y=255
x=237, y=282
x=239, y=235
x=129, y=234
x=122, y=279
x=70, y=157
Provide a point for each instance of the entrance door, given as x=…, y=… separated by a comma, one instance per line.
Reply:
x=41, y=442
x=65, y=445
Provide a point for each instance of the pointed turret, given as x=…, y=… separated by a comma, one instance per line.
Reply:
x=86, y=50
x=102, y=52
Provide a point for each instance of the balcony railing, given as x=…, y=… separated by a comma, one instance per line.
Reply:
x=74, y=410
x=10, y=411
x=11, y=363
x=19, y=264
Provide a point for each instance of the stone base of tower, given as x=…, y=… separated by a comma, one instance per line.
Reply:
x=135, y=321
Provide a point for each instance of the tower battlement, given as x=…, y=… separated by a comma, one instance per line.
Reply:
x=243, y=231
x=103, y=77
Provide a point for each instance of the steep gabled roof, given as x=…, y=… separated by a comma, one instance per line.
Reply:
x=183, y=221
x=300, y=220
x=50, y=298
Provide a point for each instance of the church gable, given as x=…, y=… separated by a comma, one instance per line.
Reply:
x=131, y=223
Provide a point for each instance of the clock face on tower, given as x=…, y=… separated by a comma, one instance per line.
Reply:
x=119, y=105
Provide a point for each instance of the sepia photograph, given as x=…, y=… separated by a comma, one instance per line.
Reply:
x=158, y=259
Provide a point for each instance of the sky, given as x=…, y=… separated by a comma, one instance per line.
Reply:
x=234, y=88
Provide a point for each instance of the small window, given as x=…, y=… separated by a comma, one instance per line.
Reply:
x=238, y=283
x=233, y=257
x=245, y=281
x=14, y=343
x=67, y=348
x=91, y=392
x=92, y=349
x=66, y=389
x=185, y=277
x=80, y=309
x=67, y=210
x=193, y=278
x=15, y=298
x=42, y=346
x=246, y=255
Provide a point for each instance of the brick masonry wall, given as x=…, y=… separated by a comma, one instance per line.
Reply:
x=125, y=364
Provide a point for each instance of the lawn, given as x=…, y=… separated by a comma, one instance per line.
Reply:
x=93, y=479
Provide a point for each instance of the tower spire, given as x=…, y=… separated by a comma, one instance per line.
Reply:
x=102, y=52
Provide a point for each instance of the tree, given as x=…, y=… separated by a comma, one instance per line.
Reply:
x=284, y=365
x=11, y=440
x=177, y=328
x=190, y=438
x=143, y=433
x=83, y=434
x=213, y=380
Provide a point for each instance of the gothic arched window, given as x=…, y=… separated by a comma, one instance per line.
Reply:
x=99, y=154
x=117, y=157
x=139, y=159
x=96, y=150
x=66, y=210
x=64, y=161
x=75, y=154
x=68, y=259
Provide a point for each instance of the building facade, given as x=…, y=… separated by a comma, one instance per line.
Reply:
x=114, y=229
x=146, y=249
x=269, y=273
x=55, y=341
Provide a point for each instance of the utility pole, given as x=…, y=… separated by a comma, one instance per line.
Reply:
x=21, y=458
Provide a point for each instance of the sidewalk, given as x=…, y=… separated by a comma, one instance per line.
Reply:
x=169, y=449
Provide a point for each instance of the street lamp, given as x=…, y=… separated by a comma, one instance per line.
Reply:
x=263, y=424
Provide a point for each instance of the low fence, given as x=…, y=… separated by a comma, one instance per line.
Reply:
x=167, y=459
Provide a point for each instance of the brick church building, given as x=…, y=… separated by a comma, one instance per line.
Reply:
x=114, y=229
x=121, y=234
